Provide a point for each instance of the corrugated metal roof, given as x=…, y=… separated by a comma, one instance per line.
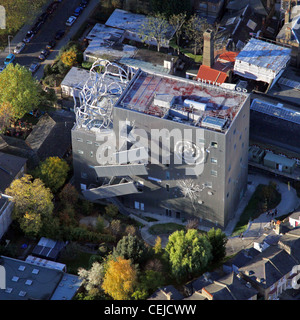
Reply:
x=264, y=54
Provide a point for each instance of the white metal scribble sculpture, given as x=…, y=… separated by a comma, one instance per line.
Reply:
x=98, y=94
x=191, y=190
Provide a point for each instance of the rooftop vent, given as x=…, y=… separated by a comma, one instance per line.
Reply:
x=195, y=104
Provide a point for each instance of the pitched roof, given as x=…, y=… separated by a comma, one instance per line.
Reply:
x=10, y=166
x=230, y=287
x=269, y=266
x=166, y=293
x=211, y=75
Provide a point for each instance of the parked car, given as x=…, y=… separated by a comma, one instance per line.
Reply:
x=34, y=66
x=44, y=54
x=51, y=44
x=84, y=3
x=43, y=17
x=9, y=59
x=70, y=21
x=78, y=11
x=52, y=7
x=36, y=28
x=59, y=34
x=19, y=47
x=2, y=68
x=29, y=36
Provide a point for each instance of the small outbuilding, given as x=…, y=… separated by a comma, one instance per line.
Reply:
x=280, y=163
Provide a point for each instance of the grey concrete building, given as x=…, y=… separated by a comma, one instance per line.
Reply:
x=176, y=147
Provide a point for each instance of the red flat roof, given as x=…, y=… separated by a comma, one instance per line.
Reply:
x=212, y=75
x=228, y=56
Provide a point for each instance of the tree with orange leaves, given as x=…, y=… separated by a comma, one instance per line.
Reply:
x=120, y=279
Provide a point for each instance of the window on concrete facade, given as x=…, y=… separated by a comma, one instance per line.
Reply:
x=214, y=173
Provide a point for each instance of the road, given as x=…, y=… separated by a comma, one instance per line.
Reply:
x=47, y=32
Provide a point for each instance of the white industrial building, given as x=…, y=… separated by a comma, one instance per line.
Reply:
x=262, y=61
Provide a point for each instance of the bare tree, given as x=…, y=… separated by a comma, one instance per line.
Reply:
x=192, y=224
x=194, y=29
x=156, y=27
x=177, y=21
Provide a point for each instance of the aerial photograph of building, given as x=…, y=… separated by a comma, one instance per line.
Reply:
x=150, y=151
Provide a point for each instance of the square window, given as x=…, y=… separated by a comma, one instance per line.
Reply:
x=35, y=271
x=21, y=268
x=214, y=160
x=214, y=144
x=214, y=173
x=22, y=293
x=15, y=279
x=28, y=282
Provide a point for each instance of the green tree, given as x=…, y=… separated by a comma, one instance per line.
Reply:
x=33, y=204
x=218, y=242
x=53, y=172
x=111, y=210
x=131, y=247
x=19, y=89
x=189, y=253
x=149, y=281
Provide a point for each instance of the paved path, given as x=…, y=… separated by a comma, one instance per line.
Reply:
x=257, y=229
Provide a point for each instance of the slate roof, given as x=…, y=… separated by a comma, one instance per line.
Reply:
x=10, y=166
x=269, y=266
x=51, y=136
x=236, y=28
x=230, y=287
x=166, y=293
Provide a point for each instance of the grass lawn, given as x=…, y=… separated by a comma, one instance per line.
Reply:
x=165, y=228
x=81, y=260
x=265, y=197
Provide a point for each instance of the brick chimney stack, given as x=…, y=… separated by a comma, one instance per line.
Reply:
x=208, y=48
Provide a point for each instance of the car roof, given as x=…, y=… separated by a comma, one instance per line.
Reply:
x=11, y=55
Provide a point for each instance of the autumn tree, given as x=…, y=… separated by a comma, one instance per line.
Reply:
x=33, y=204
x=53, y=172
x=69, y=58
x=19, y=90
x=6, y=115
x=189, y=253
x=157, y=246
x=19, y=12
x=120, y=279
x=69, y=195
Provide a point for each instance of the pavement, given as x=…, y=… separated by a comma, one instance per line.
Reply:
x=257, y=230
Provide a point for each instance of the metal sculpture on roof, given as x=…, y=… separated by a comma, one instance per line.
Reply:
x=98, y=94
